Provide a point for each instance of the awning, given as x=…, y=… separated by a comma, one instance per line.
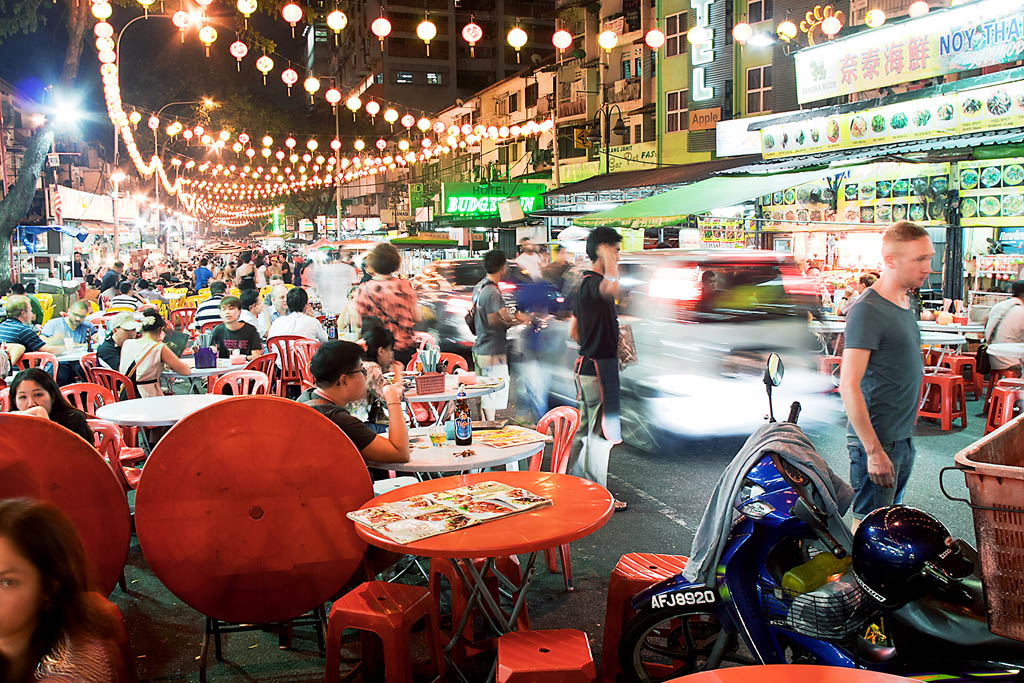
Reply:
x=665, y=175
x=99, y=227
x=28, y=233
x=673, y=207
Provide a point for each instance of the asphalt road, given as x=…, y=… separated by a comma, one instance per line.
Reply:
x=666, y=492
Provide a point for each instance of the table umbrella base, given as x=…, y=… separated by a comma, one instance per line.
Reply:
x=316, y=618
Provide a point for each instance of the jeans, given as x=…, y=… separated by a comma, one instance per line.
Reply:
x=867, y=495
x=591, y=460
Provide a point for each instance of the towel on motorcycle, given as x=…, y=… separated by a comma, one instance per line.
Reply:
x=831, y=494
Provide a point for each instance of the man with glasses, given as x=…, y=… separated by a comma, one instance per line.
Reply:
x=62, y=328
x=337, y=368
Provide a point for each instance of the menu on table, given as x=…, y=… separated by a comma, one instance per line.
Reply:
x=419, y=517
x=509, y=436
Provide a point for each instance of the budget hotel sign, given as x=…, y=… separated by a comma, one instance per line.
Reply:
x=970, y=36
x=481, y=201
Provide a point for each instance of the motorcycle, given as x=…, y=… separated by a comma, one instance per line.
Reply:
x=683, y=626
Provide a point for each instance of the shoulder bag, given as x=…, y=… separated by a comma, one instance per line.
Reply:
x=471, y=315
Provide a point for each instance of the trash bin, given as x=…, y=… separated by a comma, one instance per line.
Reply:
x=993, y=468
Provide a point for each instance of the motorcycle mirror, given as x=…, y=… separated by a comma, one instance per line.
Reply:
x=774, y=371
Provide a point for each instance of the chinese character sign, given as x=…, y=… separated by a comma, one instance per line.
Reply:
x=979, y=34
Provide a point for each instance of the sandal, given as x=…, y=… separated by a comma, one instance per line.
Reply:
x=620, y=505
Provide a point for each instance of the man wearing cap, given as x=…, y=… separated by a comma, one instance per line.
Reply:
x=124, y=326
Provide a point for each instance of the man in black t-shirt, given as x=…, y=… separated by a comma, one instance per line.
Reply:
x=233, y=333
x=595, y=326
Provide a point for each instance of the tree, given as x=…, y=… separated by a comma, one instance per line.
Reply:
x=312, y=203
x=24, y=16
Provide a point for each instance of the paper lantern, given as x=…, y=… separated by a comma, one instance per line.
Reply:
x=517, y=39
x=333, y=96
x=608, y=40
x=337, y=20
x=267, y=141
x=382, y=144
x=335, y=144
x=290, y=78
x=246, y=7
x=562, y=40
x=390, y=115
x=243, y=138
x=423, y=124
x=472, y=33
x=102, y=10
x=742, y=32
x=425, y=31
x=290, y=143
x=831, y=25
x=238, y=50
x=359, y=145
x=372, y=108
x=103, y=30
x=786, y=31
x=292, y=13
x=154, y=122
x=408, y=120
x=311, y=145
x=426, y=142
x=381, y=28
x=654, y=39
x=918, y=9
x=874, y=18
x=311, y=84
x=438, y=127
x=207, y=36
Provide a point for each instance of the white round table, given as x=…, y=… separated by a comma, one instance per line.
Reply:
x=942, y=339
x=443, y=459
x=1007, y=350
x=156, y=411
x=195, y=384
x=76, y=353
x=448, y=397
x=932, y=326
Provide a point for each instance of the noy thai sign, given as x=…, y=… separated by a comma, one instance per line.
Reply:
x=974, y=35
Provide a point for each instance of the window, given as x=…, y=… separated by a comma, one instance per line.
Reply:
x=759, y=10
x=638, y=67
x=675, y=34
x=434, y=78
x=676, y=111
x=403, y=77
x=625, y=137
x=513, y=102
x=530, y=97
x=654, y=63
x=626, y=64
x=759, y=89
x=379, y=78
x=637, y=132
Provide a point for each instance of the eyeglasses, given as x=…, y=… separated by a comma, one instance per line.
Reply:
x=360, y=370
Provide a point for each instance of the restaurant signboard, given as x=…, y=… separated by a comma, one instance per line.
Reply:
x=992, y=193
x=472, y=200
x=974, y=35
x=995, y=107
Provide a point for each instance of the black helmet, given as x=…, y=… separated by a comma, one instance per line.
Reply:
x=897, y=549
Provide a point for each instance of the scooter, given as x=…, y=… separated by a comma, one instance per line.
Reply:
x=681, y=627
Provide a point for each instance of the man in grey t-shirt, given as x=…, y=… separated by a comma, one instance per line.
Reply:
x=881, y=377
x=492, y=323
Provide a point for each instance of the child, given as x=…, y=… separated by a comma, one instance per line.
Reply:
x=234, y=333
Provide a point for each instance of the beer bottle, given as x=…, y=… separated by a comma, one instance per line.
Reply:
x=463, y=422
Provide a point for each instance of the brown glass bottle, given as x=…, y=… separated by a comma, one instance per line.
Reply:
x=463, y=421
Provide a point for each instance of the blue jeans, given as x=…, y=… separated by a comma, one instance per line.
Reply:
x=867, y=495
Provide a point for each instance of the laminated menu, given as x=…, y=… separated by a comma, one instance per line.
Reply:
x=509, y=436
x=419, y=517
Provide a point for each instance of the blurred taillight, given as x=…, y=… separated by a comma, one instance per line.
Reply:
x=678, y=284
x=506, y=287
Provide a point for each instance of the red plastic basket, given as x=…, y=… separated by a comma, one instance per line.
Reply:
x=993, y=468
x=429, y=383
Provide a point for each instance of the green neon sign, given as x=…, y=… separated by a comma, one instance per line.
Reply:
x=464, y=205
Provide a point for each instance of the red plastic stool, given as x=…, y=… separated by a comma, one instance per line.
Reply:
x=633, y=573
x=389, y=610
x=966, y=367
x=508, y=566
x=828, y=365
x=1000, y=411
x=559, y=656
x=946, y=400
x=993, y=380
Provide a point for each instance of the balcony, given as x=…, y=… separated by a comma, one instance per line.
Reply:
x=576, y=107
x=622, y=91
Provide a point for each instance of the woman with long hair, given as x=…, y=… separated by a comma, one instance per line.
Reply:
x=260, y=265
x=48, y=629
x=245, y=275
x=143, y=359
x=34, y=392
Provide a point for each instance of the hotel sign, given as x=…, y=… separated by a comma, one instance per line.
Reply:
x=473, y=200
x=978, y=34
x=702, y=54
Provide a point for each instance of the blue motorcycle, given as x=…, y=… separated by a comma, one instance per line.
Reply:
x=908, y=602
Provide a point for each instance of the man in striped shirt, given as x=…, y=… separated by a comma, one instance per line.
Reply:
x=127, y=298
x=16, y=328
x=209, y=310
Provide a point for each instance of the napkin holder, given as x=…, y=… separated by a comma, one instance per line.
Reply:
x=205, y=357
x=429, y=383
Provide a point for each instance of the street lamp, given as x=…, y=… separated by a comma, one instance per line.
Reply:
x=116, y=178
x=595, y=133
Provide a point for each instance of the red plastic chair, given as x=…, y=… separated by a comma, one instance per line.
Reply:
x=181, y=318
x=38, y=359
x=563, y=421
x=263, y=363
x=241, y=383
x=108, y=441
x=87, y=396
x=290, y=359
x=88, y=362
x=208, y=326
x=306, y=349
x=455, y=362
x=5, y=400
x=558, y=656
x=115, y=382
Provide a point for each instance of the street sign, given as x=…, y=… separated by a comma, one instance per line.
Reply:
x=580, y=139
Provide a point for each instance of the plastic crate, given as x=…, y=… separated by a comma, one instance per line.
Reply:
x=993, y=468
x=430, y=383
x=835, y=611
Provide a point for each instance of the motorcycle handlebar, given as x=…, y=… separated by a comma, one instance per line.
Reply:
x=803, y=512
x=794, y=412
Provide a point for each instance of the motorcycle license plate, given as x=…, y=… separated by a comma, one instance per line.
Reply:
x=689, y=597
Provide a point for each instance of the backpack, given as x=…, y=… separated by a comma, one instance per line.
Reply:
x=471, y=315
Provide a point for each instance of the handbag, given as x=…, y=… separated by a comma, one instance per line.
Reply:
x=471, y=315
x=626, y=351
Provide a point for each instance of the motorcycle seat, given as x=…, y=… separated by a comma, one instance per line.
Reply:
x=956, y=615
x=874, y=653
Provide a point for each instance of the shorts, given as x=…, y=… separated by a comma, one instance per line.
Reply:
x=867, y=495
x=493, y=367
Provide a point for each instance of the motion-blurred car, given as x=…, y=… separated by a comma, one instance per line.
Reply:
x=701, y=349
x=445, y=293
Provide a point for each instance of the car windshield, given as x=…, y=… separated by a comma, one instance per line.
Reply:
x=719, y=291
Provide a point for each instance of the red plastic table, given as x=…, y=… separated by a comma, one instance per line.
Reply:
x=40, y=459
x=790, y=673
x=580, y=507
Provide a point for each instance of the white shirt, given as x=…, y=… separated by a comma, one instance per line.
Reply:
x=531, y=263
x=300, y=325
x=247, y=317
x=125, y=301
x=261, y=276
x=996, y=313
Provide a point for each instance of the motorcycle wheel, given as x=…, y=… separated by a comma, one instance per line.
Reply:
x=664, y=644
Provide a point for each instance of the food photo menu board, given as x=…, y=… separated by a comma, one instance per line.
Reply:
x=992, y=192
x=419, y=517
x=797, y=207
x=886, y=193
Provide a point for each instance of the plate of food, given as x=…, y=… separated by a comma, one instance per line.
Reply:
x=990, y=206
x=945, y=112
x=832, y=130
x=790, y=196
x=883, y=214
x=899, y=212
x=878, y=123
x=1013, y=174
x=883, y=188
x=940, y=183
x=815, y=135
x=851, y=192
x=937, y=211
x=920, y=185
x=898, y=121
x=802, y=216
x=858, y=126
x=777, y=197
x=769, y=141
x=999, y=103
x=969, y=207
x=867, y=214
x=901, y=187
x=867, y=191
x=968, y=179
x=803, y=195
x=922, y=117
x=991, y=177
x=1013, y=204
x=916, y=212
x=971, y=107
